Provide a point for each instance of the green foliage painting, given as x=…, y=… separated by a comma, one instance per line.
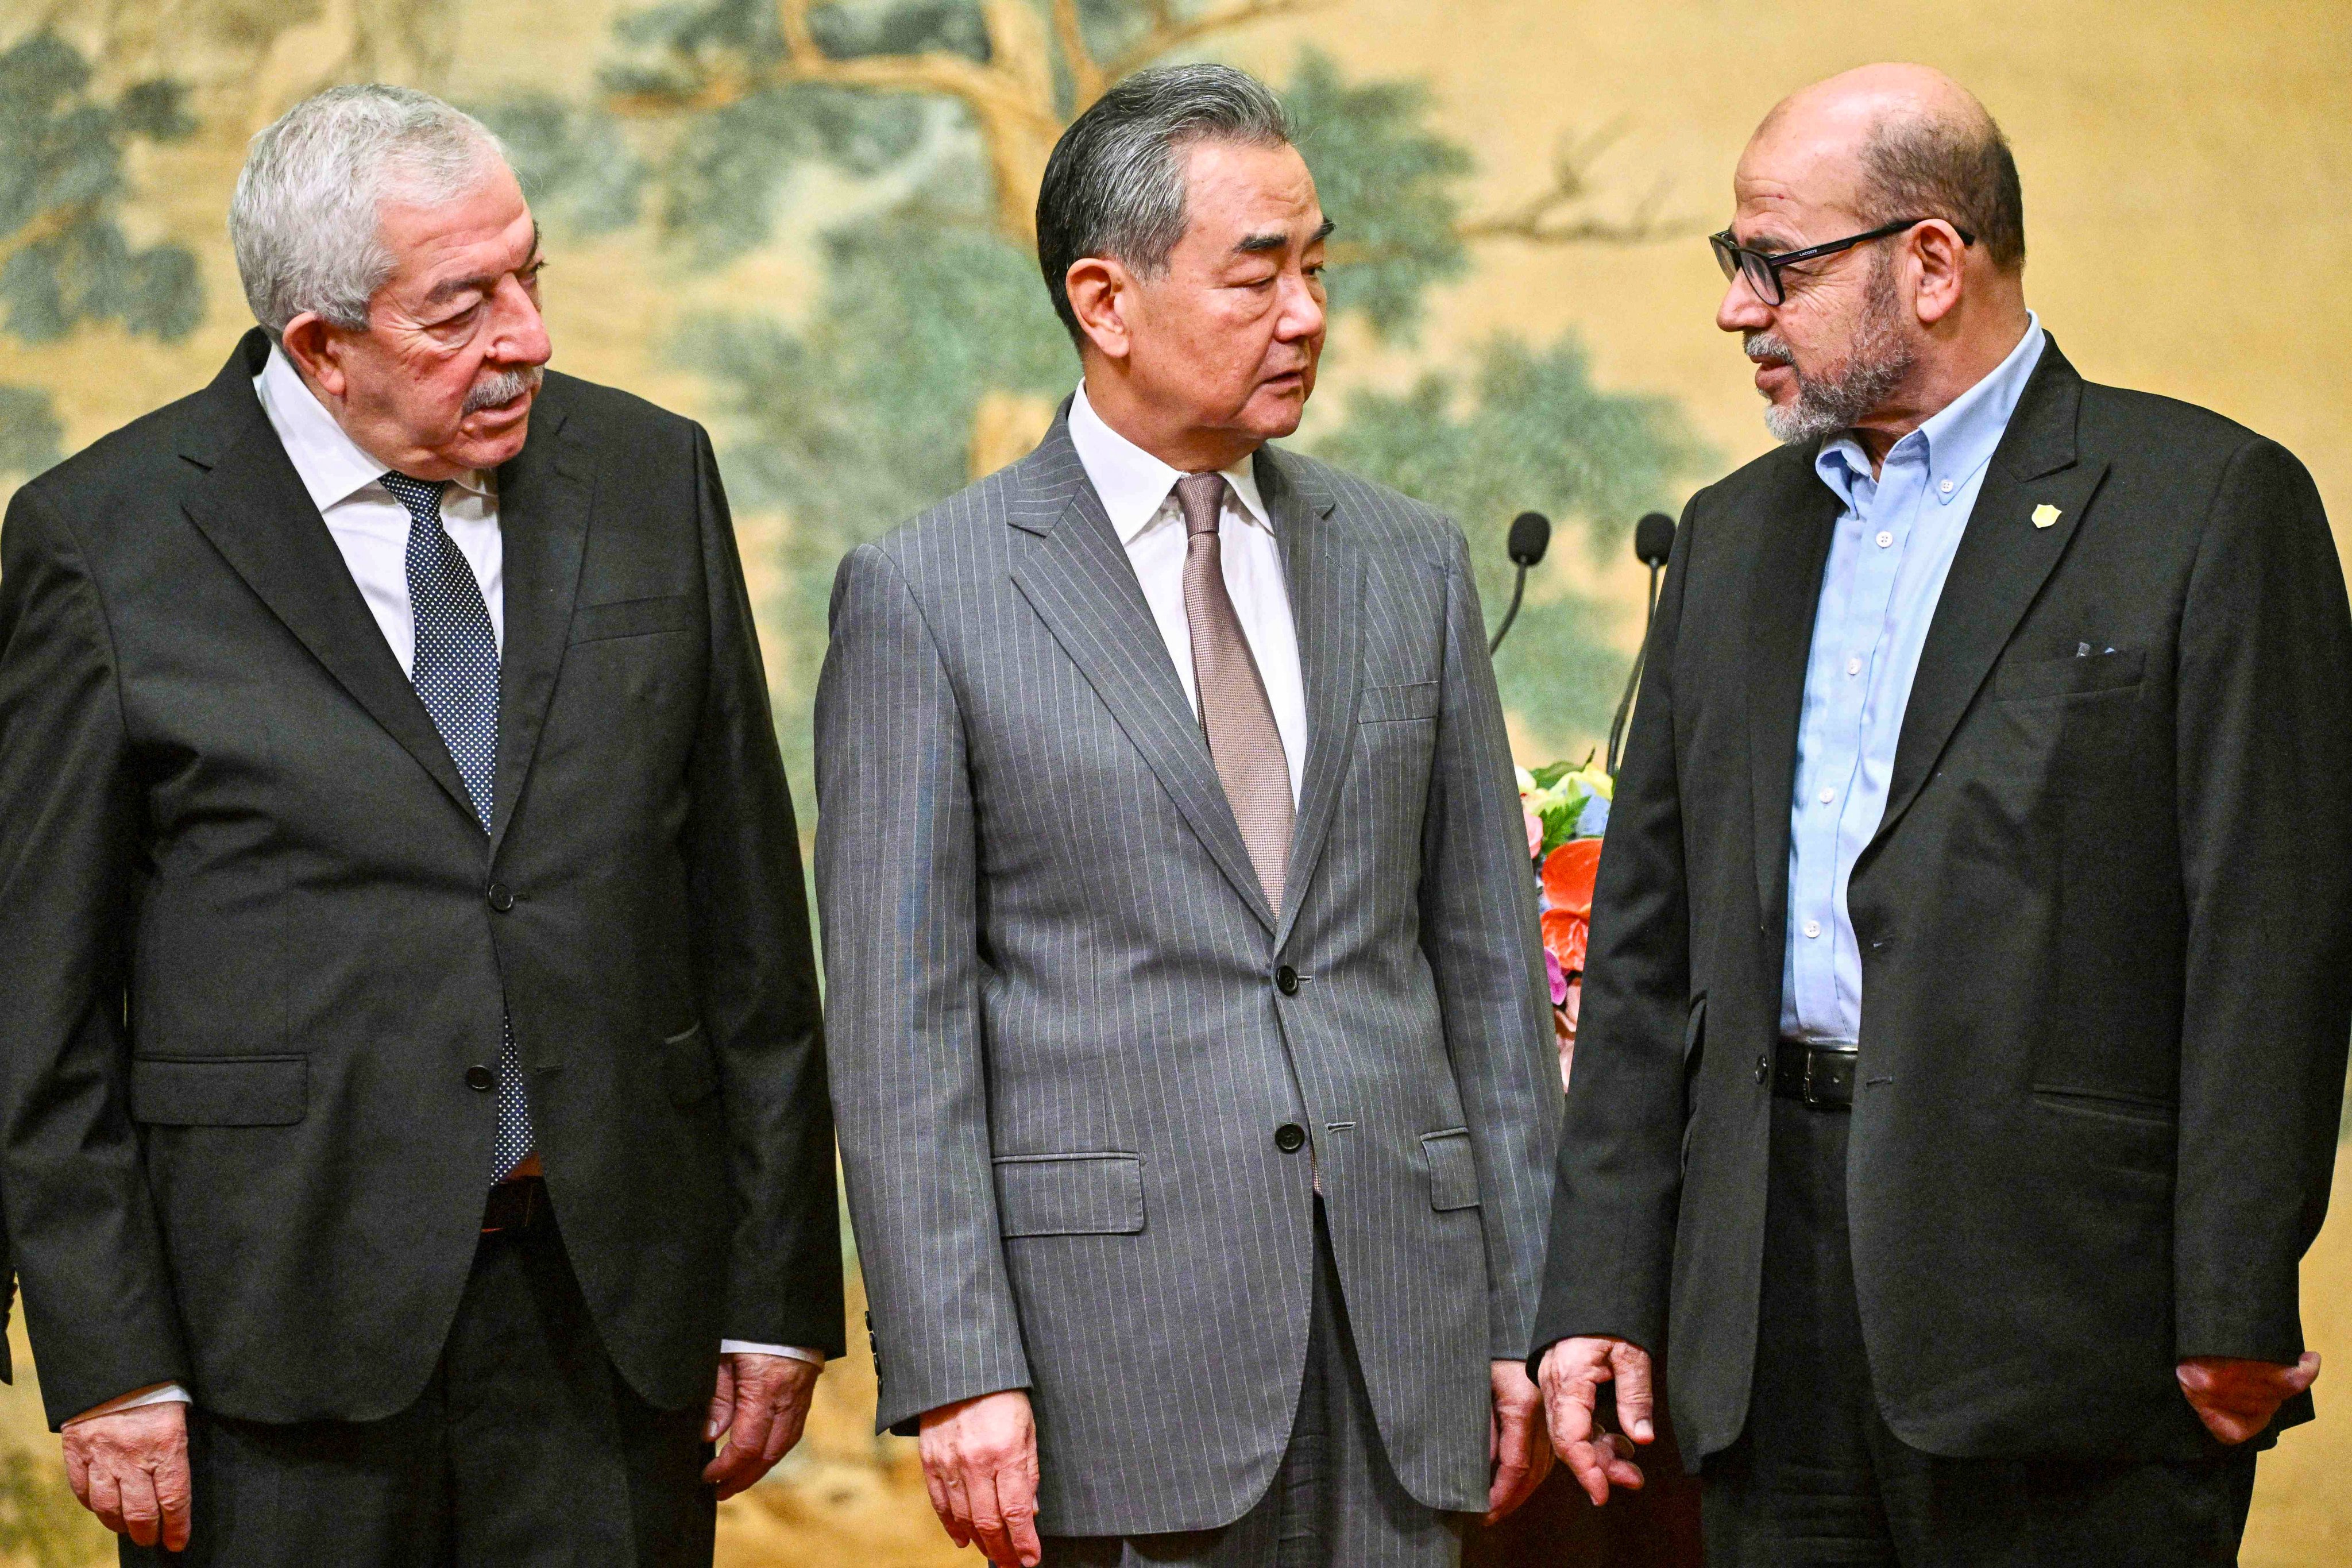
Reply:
x=64, y=259
x=933, y=355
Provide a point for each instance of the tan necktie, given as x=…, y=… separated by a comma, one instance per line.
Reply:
x=1242, y=740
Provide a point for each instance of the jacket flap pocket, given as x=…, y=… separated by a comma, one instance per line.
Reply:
x=1069, y=1194
x=632, y=617
x=688, y=1070
x=1453, y=1169
x=219, y=1091
x=2070, y=677
x=1385, y=704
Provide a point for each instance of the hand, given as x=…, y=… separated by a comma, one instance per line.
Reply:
x=761, y=1403
x=2235, y=1398
x=131, y=1469
x=979, y=1463
x=1514, y=1440
x=1572, y=1375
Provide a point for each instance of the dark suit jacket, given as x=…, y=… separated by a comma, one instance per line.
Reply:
x=256, y=936
x=2106, y=934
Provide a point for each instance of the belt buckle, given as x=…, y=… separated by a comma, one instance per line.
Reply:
x=1839, y=1065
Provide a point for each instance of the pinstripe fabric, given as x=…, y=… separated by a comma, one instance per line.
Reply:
x=1059, y=1053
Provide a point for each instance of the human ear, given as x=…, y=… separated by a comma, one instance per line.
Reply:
x=311, y=344
x=1099, y=291
x=1942, y=261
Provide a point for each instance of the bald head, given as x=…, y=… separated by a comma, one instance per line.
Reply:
x=1891, y=141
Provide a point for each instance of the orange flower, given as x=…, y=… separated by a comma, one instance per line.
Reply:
x=1568, y=873
x=1564, y=936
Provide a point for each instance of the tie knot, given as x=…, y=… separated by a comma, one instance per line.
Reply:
x=421, y=497
x=1201, y=497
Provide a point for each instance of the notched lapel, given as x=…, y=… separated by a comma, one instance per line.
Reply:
x=1075, y=576
x=545, y=496
x=2002, y=561
x=257, y=515
x=1784, y=595
x=1323, y=570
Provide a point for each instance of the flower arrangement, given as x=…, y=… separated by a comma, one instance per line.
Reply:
x=1567, y=811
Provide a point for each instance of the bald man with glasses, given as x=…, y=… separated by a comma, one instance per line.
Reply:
x=1971, y=968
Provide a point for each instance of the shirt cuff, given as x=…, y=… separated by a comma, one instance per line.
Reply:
x=790, y=1352
x=162, y=1394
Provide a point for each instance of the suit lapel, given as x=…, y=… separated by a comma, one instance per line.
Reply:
x=1075, y=576
x=255, y=511
x=1999, y=568
x=1324, y=574
x=1800, y=515
x=544, y=500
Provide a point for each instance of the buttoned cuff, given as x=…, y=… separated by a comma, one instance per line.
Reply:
x=790, y=1352
x=162, y=1394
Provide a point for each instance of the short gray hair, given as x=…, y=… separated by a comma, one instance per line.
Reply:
x=1115, y=185
x=305, y=221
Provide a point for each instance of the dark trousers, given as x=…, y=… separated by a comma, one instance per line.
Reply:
x=1334, y=1503
x=526, y=1449
x=1819, y=1477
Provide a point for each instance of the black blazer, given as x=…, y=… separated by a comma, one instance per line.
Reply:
x=2106, y=930
x=256, y=938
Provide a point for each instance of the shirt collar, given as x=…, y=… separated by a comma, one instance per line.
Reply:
x=1133, y=483
x=331, y=465
x=1960, y=439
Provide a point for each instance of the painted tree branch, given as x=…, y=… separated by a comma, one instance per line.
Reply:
x=1550, y=217
x=1171, y=32
x=1086, y=71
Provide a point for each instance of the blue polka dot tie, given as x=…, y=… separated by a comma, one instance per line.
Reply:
x=455, y=672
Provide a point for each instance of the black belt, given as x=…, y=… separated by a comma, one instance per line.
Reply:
x=1820, y=1073
x=516, y=1205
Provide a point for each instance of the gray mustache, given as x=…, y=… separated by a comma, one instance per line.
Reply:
x=501, y=389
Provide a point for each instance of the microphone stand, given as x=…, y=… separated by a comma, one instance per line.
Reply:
x=1518, y=590
x=1634, y=680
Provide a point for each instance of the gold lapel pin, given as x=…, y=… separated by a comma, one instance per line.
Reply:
x=2044, y=515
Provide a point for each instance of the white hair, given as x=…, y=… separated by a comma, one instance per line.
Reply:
x=306, y=219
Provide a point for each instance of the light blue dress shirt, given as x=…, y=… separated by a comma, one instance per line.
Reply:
x=1887, y=562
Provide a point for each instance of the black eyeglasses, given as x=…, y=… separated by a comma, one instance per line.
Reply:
x=1762, y=268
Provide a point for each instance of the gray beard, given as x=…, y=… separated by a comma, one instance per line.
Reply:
x=1879, y=361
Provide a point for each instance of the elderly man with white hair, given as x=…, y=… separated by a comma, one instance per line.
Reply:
x=414, y=1125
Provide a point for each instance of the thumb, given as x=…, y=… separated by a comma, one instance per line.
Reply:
x=1630, y=1364
x=2305, y=1372
x=722, y=1403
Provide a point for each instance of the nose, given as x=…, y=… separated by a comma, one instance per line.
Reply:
x=518, y=331
x=1741, y=310
x=1302, y=314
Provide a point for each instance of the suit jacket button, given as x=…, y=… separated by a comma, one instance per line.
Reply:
x=1290, y=1137
x=1763, y=1069
x=501, y=897
x=481, y=1079
x=1285, y=980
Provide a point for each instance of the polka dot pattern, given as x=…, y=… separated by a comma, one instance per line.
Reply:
x=455, y=672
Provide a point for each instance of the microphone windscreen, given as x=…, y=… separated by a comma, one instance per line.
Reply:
x=1530, y=537
x=1653, y=539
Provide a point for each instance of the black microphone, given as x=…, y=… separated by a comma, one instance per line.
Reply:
x=1530, y=537
x=1653, y=541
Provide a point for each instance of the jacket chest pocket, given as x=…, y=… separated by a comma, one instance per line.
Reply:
x=2062, y=728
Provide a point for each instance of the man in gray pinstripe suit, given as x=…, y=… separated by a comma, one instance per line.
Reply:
x=1194, y=1079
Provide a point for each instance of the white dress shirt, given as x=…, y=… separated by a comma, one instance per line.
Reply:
x=370, y=526
x=1137, y=491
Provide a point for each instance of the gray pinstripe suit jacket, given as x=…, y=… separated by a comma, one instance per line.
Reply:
x=1060, y=1053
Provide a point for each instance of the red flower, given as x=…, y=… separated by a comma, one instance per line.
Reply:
x=1564, y=937
x=1568, y=873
